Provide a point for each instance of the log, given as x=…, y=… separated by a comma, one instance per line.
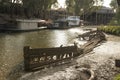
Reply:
x=92, y=43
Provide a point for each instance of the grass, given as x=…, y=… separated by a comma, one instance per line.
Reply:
x=110, y=29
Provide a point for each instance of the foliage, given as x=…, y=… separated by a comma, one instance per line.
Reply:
x=82, y=6
x=118, y=15
x=30, y=8
x=110, y=29
x=113, y=4
x=117, y=9
x=11, y=8
x=117, y=77
x=38, y=6
x=70, y=6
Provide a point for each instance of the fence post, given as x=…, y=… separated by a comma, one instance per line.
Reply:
x=76, y=50
x=26, y=58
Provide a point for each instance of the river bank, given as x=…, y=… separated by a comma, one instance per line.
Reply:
x=100, y=61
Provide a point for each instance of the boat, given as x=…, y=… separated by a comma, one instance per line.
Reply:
x=58, y=24
x=73, y=20
x=64, y=23
x=23, y=25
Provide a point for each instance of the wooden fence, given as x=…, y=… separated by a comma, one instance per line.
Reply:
x=38, y=58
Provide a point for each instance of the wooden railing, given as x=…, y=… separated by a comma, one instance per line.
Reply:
x=38, y=58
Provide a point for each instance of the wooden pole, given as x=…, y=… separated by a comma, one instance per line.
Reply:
x=26, y=58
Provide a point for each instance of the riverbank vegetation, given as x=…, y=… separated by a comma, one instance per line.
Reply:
x=117, y=77
x=114, y=25
x=110, y=29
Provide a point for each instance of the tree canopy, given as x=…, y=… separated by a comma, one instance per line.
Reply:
x=34, y=8
x=38, y=6
x=80, y=6
x=116, y=7
x=113, y=4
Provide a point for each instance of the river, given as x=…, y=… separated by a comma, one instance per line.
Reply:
x=12, y=44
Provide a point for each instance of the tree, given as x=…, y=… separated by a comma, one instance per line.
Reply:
x=82, y=6
x=115, y=6
x=118, y=1
x=70, y=6
x=118, y=15
x=30, y=8
x=40, y=7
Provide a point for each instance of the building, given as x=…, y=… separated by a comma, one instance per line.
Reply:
x=102, y=16
x=23, y=25
x=59, y=13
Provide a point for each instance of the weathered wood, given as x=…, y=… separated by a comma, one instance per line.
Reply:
x=26, y=58
x=91, y=35
x=35, y=58
x=97, y=37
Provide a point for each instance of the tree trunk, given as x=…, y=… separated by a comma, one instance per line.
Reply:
x=118, y=1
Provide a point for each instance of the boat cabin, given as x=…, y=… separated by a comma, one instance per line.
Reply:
x=24, y=24
x=27, y=24
x=73, y=20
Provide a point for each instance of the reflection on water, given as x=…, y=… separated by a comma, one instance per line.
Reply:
x=11, y=45
x=77, y=31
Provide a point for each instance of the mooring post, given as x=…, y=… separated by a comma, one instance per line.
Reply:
x=26, y=58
